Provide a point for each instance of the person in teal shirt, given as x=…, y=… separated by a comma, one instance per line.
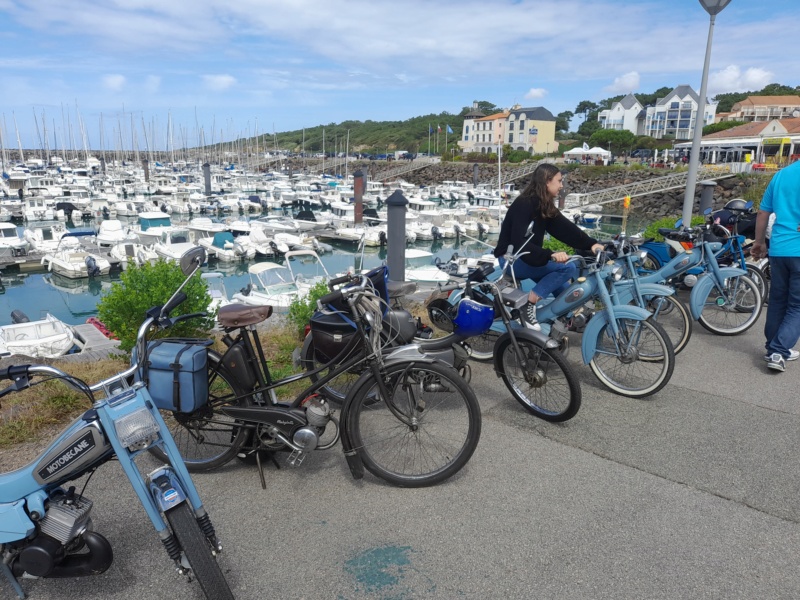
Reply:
x=782, y=327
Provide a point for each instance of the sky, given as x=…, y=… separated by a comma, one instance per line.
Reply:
x=124, y=70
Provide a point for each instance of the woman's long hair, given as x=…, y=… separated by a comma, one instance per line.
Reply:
x=538, y=188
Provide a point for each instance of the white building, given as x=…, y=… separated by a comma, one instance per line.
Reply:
x=673, y=116
x=532, y=129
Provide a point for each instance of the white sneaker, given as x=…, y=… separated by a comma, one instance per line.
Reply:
x=793, y=355
x=776, y=362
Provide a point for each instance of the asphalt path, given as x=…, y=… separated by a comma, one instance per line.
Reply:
x=693, y=493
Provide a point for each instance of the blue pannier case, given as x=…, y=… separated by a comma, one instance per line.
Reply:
x=175, y=374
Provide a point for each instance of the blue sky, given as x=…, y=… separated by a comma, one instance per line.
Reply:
x=233, y=68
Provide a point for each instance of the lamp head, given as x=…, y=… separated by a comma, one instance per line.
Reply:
x=714, y=7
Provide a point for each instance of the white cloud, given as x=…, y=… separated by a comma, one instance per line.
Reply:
x=732, y=79
x=629, y=82
x=114, y=82
x=219, y=83
x=535, y=93
x=152, y=84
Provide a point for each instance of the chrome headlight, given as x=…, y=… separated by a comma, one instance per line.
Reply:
x=642, y=255
x=617, y=272
x=137, y=430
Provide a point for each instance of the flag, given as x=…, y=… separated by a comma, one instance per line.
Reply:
x=449, y=130
x=439, y=128
x=158, y=164
x=430, y=129
x=585, y=146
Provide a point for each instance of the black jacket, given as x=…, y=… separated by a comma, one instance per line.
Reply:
x=520, y=214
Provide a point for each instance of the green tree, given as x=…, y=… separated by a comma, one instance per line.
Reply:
x=587, y=128
x=586, y=107
x=621, y=140
x=123, y=308
x=722, y=126
x=563, y=119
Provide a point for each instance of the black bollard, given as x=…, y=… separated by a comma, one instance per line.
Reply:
x=396, y=242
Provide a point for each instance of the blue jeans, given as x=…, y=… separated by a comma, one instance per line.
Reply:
x=552, y=278
x=782, y=328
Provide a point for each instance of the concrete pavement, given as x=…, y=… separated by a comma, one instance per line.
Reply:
x=692, y=493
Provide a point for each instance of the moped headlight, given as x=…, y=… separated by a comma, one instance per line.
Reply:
x=137, y=430
x=642, y=255
x=617, y=272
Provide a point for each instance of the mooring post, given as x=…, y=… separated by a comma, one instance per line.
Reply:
x=358, y=192
x=706, y=195
x=207, y=178
x=396, y=235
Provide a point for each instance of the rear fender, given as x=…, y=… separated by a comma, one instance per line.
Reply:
x=598, y=320
x=703, y=287
x=539, y=338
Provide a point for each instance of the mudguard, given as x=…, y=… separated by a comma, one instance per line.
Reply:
x=539, y=338
x=595, y=324
x=165, y=488
x=702, y=288
x=647, y=290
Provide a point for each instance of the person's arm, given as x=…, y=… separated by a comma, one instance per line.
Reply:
x=759, y=248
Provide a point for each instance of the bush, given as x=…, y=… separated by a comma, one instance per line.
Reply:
x=302, y=309
x=652, y=230
x=123, y=308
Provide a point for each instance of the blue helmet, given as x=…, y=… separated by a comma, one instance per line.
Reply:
x=472, y=318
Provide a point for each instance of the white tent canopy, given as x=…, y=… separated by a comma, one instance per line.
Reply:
x=596, y=151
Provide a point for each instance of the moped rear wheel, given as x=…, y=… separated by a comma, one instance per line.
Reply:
x=673, y=316
x=760, y=279
x=197, y=550
x=733, y=309
x=636, y=363
x=439, y=431
x=542, y=381
x=206, y=438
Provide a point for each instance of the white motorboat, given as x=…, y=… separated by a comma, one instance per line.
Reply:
x=74, y=261
x=132, y=253
x=224, y=247
x=45, y=238
x=11, y=244
x=420, y=267
x=276, y=285
x=217, y=291
x=45, y=338
x=111, y=232
x=173, y=243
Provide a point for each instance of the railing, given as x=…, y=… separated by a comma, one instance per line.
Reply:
x=403, y=169
x=643, y=188
x=512, y=174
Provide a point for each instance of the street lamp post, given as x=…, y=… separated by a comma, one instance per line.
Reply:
x=547, y=151
x=713, y=8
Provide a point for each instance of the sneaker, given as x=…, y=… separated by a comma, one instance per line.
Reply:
x=528, y=313
x=776, y=362
x=793, y=355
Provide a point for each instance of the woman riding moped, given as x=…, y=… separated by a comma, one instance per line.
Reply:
x=530, y=216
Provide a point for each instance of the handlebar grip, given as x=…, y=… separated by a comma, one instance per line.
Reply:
x=339, y=280
x=170, y=306
x=188, y=316
x=329, y=298
x=13, y=371
x=449, y=287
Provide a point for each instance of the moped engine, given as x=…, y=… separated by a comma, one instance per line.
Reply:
x=64, y=531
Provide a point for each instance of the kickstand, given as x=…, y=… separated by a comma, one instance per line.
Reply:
x=261, y=468
x=6, y=571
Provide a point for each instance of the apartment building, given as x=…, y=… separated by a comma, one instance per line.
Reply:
x=763, y=108
x=532, y=129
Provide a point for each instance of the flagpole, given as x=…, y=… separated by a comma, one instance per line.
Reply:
x=429, y=138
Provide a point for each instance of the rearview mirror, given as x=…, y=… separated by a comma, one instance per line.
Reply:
x=193, y=259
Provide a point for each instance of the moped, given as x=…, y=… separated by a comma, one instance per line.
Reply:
x=46, y=528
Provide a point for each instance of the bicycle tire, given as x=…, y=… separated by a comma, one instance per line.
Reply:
x=673, y=316
x=545, y=386
x=448, y=424
x=481, y=347
x=735, y=311
x=760, y=279
x=197, y=551
x=206, y=438
x=647, y=367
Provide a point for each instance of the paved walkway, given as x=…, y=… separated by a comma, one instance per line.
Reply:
x=694, y=493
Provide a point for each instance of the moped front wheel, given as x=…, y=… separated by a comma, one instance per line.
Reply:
x=636, y=362
x=673, y=316
x=732, y=309
x=197, y=550
x=437, y=430
x=206, y=438
x=541, y=380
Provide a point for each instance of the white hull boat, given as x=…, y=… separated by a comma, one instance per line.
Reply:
x=46, y=338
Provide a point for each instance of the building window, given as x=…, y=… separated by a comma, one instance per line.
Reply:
x=466, y=129
x=674, y=105
x=510, y=138
x=511, y=126
x=522, y=125
x=466, y=138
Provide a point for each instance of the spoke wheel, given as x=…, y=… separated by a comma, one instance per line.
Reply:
x=542, y=382
x=638, y=362
x=733, y=309
x=673, y=316
x=438, y=432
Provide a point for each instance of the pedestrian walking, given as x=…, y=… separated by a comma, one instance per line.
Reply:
x=782, y=328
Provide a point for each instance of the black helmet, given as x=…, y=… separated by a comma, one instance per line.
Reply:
x=736, y=204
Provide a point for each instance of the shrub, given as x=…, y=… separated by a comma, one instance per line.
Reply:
x=651, y=231
x=301, y=309
x=123, y=308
